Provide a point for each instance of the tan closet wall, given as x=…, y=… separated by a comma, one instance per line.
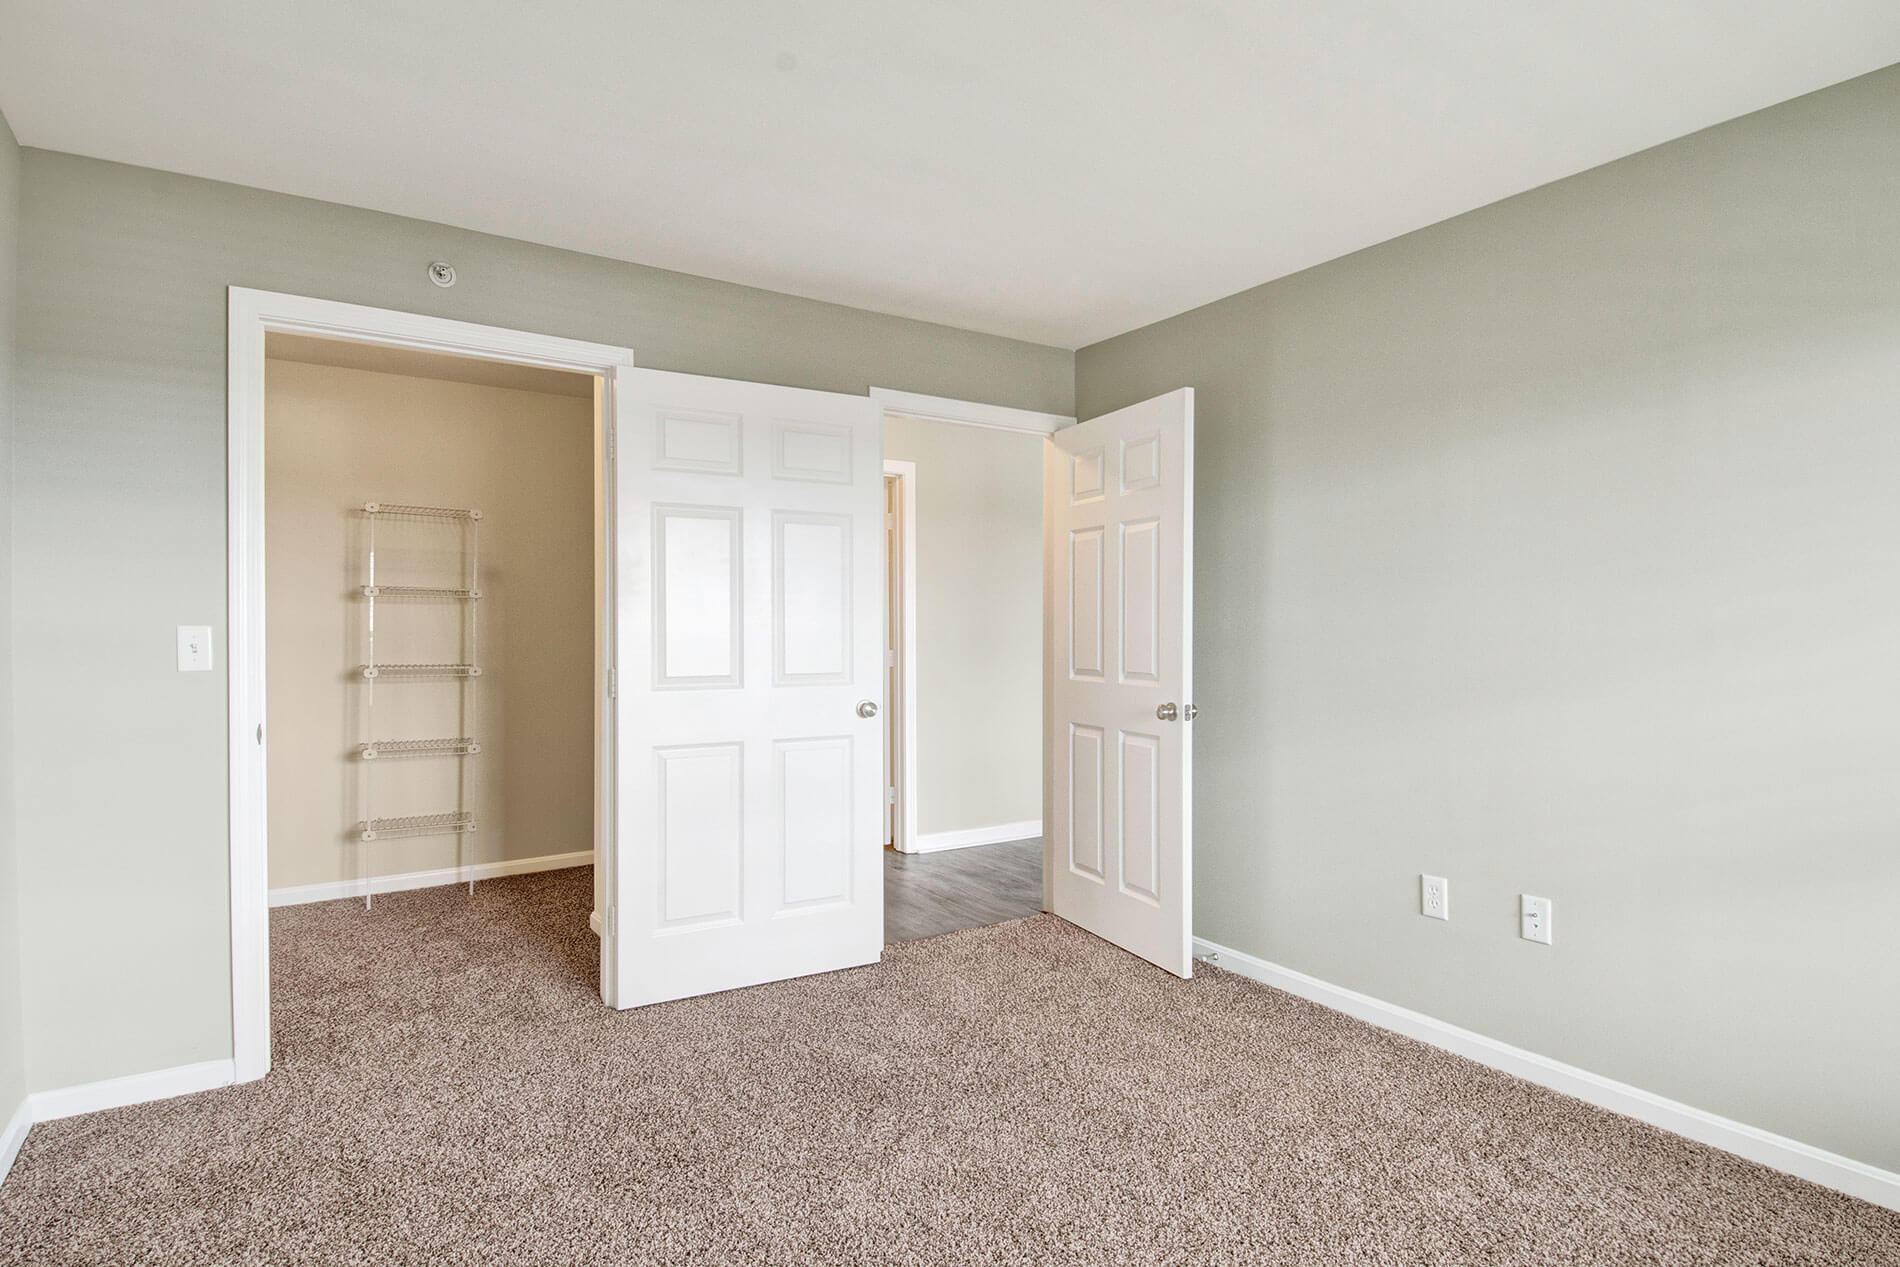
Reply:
x=338, y=437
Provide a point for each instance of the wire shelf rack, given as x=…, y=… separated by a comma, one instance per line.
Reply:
x=455, y=822
x=400, y=511
x=463, y=590
x=421, y=670
x=461, y=746
x=417, y=591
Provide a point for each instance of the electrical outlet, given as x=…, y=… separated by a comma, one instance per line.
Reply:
x=1534, y=914
x=1434, y=896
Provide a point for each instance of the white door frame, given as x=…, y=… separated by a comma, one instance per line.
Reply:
x=962, y=413
x=252, y=314
x=901, y=710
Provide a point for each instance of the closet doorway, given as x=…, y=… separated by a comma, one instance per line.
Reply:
x=429, y=582
x=421, y=577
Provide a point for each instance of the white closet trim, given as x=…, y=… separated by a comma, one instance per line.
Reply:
x=253, y=314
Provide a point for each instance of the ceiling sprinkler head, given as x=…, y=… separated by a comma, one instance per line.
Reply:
x=442, y=273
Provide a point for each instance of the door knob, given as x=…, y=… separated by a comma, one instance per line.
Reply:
x=867, y=708
x=1166, y=712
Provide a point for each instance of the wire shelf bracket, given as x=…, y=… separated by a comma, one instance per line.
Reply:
x=454, y=822
x=421, y=670
x=461, y=746
x=399, y=511
x=417, y=591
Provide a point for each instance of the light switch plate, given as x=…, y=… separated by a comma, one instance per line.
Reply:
x=1534, y=914
x=194, y=648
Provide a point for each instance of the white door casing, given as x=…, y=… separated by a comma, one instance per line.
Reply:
x=1118, y=496
x=252, y=314
x=749, y=633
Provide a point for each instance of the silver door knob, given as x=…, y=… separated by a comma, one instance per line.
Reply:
x=867, y=708
x=1166, y=712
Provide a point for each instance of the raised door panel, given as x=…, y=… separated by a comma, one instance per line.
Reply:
x=811, y=591
x=1086, y=482
x=1085, y=604
x=1141, y=463
x=1138, y=601
x=702, y=441
x=1138, y=780
x=701, y=832
x=1084, y=817
x=815, y=815
x=813, y=452
x=698, y=600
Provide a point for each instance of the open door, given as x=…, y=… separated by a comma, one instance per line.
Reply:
x=1118, y=513
x=749, y=674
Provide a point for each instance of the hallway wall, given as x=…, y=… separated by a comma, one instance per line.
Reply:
x=979, y=622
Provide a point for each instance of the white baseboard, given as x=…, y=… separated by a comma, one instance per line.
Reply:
x=330, y=891
x=15, y=1135
x=593, y=922
x=994, y=834
x=138, y=1088
x=112, y=1093
x=1778, y=1152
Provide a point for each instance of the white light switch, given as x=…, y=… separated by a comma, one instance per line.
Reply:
x=1534, y=914
x=194, y=648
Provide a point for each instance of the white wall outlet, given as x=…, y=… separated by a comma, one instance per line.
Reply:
x=1534, y=912
x=194, y=648
x=1434, y=896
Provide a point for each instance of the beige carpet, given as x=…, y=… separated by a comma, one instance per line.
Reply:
x=448, y=1089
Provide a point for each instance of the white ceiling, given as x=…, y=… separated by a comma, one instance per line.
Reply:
x=1056, y=170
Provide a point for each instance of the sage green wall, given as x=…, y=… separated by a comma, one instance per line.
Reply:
x=1556, y=549
x=12, y=1044
x=979, y=622
x=120, y=533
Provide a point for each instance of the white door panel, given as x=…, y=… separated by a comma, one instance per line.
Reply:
x=1119, y=514
x=750, y=521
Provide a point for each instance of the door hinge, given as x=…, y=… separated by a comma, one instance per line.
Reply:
x=890, y=796
x=613, y=683
x=613, y=921
x=610, y=444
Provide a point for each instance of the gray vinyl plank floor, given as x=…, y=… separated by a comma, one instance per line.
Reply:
x=930, y=893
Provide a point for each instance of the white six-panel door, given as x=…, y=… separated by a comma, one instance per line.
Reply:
x=1118, y=499
x=749, y=666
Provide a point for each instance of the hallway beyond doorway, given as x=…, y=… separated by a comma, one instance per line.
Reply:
x=930, y=893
